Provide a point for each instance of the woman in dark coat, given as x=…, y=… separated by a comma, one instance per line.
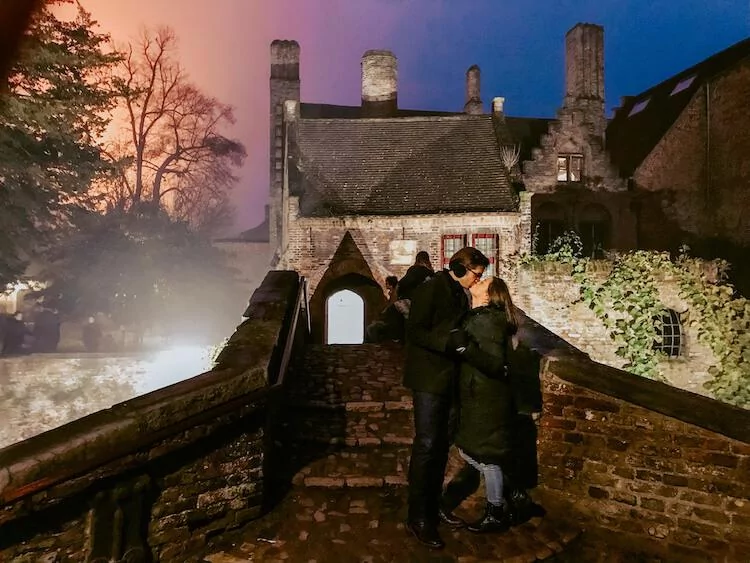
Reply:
x=491, y=434
x=484, y=435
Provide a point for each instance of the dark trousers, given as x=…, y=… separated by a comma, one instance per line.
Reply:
x=429, y=454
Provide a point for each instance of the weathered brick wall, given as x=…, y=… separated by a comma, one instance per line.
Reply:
x=183, y=465
x=673, y=177
x=313, y=241
x=666, y=472
x=214, y=492
x=571, y=133
x=698, y=173
x=728, y=153
x=548, y=294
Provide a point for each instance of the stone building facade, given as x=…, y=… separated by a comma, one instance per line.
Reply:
x=368, y=186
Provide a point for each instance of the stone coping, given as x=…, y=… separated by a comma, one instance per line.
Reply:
x=240, y=376
x=570, y=364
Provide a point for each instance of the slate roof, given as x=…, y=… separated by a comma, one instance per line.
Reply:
x=400, y=166
x=631, y=138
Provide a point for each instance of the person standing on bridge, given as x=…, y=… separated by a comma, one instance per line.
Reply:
x=496, y=400
x=431, y=370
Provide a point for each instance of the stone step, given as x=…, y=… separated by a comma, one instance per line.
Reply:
x=332, y=392
x=354, y=424
x=357, y=468
x=368, y=525
x=341, y=374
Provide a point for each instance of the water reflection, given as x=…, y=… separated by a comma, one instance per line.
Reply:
x=43, y=391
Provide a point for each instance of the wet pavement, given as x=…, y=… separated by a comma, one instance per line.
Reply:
x=39, y=392
x=345, y=452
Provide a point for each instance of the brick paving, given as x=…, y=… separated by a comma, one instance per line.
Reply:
x=346, y=445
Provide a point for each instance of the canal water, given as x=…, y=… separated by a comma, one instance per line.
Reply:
x=42, y=391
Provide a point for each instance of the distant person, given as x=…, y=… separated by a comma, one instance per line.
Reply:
x=46, y=330
x=15, y=334
x=390, y=323
x=92, y=335
x=417, y=274
x=391, y=284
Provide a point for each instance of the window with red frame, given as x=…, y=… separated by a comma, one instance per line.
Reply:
x=486, y=243
x=450, y=245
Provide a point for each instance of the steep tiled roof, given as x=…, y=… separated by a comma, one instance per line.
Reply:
x=401, y=166
x=330, y=111
x=644, y=119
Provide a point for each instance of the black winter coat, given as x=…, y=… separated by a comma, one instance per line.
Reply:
x=414, y=277
x=487, y=411
x=436, y=308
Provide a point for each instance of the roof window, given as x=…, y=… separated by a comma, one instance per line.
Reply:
x=683, y=84
x=639, y=107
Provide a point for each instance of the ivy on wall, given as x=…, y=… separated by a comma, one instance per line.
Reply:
x=627, y=303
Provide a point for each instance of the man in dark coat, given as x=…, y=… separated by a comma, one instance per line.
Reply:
x=430, y=372
x=420, y=271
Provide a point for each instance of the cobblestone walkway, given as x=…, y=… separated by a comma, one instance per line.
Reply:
x=347, y=446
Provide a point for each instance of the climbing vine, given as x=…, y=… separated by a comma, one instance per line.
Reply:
x=628, y=305
x=722, y=321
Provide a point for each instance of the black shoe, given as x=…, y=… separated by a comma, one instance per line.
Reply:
x=496, y=519
x=447, y=517
x=426, y=534
x=522, y=507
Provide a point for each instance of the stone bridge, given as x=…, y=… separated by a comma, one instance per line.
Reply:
x=294, y=451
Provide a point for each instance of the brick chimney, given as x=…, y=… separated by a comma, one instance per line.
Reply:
x=285, y=85
x=379, y=84
x=473, y=103
x=498, y=104
x=584, y=71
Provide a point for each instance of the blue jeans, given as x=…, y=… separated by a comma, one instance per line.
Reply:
x=493, y=479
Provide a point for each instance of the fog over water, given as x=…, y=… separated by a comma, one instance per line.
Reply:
x=42, y=391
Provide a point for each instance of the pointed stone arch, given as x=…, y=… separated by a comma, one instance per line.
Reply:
x=347, y=269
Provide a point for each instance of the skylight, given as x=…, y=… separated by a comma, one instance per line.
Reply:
x=683, y=85
x=639, y=107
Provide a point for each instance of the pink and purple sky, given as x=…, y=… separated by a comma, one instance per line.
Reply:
x=518, y=44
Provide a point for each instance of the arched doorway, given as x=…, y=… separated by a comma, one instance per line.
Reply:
x=345, y=318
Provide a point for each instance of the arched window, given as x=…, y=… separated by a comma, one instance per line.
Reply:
x=595, y=226
x=549, y=224
x=669, y=331
x=345, y=318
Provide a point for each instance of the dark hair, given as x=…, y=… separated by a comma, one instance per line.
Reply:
x=391, y=281
x=469, y=256
x=423, y=259
x=499, y=295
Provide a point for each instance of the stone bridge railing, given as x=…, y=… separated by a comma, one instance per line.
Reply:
x=649, y=467
x=159, y=476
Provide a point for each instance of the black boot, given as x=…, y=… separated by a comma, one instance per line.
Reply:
x=426, y=533
x=497, y=518
x=456, y=491
x=522, y=507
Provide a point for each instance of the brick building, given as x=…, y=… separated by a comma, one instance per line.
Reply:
x=683, y=145
x=357, y=191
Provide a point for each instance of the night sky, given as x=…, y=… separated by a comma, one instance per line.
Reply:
x=518, y=44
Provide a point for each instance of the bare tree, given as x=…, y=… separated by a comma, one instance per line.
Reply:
x=510, y=154
x=174, y=151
